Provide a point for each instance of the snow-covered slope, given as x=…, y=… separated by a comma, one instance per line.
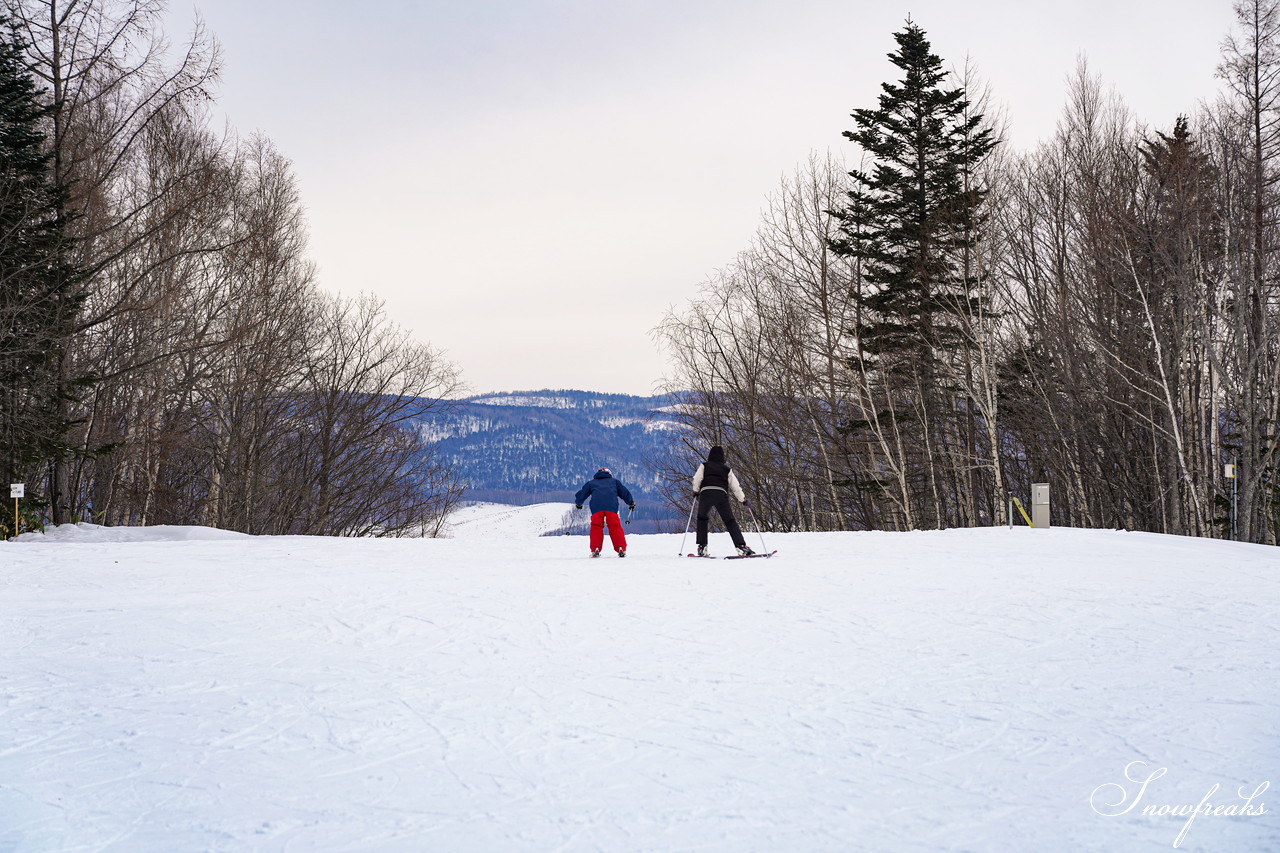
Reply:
x=973, y=690
x=96, y=534
x=488, y=520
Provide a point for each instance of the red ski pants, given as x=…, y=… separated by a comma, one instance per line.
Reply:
x=616, y=535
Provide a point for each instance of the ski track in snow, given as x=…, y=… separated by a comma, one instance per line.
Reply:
x=961, y=690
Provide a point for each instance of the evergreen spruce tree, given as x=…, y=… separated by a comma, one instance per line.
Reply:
x=911, y=221
x=40, y=291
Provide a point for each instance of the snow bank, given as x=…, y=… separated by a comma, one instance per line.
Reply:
x=93, y=533
x=986, y=690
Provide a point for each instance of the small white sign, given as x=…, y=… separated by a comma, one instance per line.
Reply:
x=17, y=490
x=1229, y=471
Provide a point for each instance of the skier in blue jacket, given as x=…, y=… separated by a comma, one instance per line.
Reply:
x=604, y=491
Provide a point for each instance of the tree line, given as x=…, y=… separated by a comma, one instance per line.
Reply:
x=168, y=357
x=909, y=343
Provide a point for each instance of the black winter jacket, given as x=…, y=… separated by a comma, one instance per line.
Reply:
x=715, y=474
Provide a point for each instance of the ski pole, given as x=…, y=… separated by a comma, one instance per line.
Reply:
x=759, y=532
x=630, y=510
x=686, y=526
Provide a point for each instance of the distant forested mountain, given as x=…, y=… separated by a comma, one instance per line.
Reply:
x=535, y=446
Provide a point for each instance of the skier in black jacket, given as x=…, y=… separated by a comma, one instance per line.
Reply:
x=604, y=491
x=713, y=482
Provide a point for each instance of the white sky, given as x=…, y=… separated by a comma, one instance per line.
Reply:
x=530, y=185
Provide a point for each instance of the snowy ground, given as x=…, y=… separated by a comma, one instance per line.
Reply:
x=176, y=689
x=490, y=520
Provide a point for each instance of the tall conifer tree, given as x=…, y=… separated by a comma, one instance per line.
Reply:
x=911, y=221
x=40, y=291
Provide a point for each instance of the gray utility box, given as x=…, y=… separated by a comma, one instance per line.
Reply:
x=1040, y=505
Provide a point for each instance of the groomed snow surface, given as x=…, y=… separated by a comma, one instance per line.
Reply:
x=490, y=520
x=177, y=689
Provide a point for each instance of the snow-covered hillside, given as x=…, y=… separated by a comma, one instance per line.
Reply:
x=490, y=520
x=527, y=447
x=969, y=690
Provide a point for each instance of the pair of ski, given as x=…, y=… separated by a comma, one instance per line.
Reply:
x=732, y=556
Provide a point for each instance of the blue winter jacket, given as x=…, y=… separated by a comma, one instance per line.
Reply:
x=604, y=492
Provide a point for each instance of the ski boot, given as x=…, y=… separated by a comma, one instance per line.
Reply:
x=595, y=553
x=744, y=551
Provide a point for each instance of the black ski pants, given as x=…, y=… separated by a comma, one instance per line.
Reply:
x=719, y=499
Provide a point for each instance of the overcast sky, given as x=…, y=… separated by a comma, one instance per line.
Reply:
x=530, y=185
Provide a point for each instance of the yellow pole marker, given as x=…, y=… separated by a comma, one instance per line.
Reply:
x=1023, y=511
